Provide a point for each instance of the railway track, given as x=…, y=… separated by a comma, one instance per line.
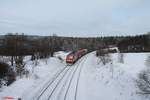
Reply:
x=63, y=71
x=49, y=90
x=78, y=78
x=77, y=67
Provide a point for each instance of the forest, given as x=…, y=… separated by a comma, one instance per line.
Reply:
x=16, y=44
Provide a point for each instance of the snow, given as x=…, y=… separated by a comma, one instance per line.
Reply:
x=113, y=81
x=38, y=75
x=17, y=88
x=135, y=61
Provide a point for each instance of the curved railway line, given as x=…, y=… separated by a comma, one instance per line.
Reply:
x=66, y=70
x=77, y=85
x=51, y=86
x=71, y=80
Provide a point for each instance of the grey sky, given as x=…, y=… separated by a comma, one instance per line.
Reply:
x=75, y=17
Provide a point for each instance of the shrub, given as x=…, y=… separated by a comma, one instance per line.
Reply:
x=103, y=56
x=6, y=73
x=144, y=82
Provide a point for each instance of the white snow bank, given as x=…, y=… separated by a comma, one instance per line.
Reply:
x=136, y=60
x=38, y=75
x=113, y=81
x=17, y=88
x=133, y=62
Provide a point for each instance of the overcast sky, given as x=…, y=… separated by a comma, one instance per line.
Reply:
x=75, y=17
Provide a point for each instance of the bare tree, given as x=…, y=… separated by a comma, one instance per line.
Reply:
x=103, y=56
x=147, y=61
x=121, y=58
x=144, y=82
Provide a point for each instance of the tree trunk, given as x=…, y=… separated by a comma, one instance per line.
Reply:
x=12, y=60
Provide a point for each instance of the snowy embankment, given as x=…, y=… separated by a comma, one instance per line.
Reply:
x=113, y=81
x=39, y=74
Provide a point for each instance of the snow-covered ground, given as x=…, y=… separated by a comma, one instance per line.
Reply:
x=113, y=81
x=38, y=74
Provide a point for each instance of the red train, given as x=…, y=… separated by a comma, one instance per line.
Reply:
x=74, y=56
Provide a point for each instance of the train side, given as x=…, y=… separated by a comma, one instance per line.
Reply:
x=74, y=56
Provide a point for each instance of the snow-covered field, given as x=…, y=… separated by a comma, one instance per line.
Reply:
x=113, y=81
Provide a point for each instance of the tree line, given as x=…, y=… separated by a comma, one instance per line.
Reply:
x=14, y=44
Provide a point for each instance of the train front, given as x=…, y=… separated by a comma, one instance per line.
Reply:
x=70, y=59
